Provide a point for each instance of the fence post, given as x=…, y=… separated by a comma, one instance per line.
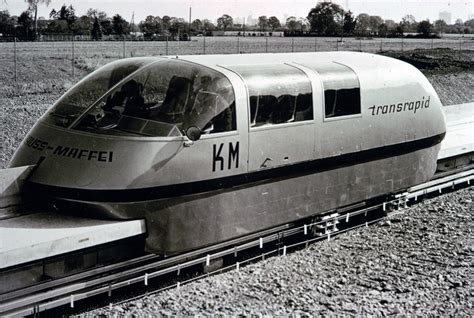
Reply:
x=402, y=43
x=360, y=44
x=460, y=44
x=14, y=58
x=238, y=44
x=266, y=45
x=73, y=59
x=166, y=45
x=179, y=47
x=315, y=44
x=432, y=43
x=123, y=46
x=381, y=44
x=204, y=45
x=337, y=45
x=292, y=44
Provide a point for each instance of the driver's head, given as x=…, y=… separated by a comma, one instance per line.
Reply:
x=130, y=88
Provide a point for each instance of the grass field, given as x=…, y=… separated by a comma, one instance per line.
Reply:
x=15, y=57
x=220, y=45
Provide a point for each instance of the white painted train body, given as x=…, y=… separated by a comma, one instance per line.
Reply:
x=208, y=148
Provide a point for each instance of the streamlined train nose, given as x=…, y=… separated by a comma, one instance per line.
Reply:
x=73, y=159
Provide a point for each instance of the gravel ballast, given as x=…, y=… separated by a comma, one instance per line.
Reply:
x=418, y=262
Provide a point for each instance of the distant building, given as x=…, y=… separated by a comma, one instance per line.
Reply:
x=445, y=16
x=251, y=20
x=248, y=33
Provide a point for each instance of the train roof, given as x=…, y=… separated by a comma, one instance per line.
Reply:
x=355, y=60
x=372, y=66
x=269, y=58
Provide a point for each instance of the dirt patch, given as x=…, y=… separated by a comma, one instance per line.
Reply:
x=453, y=88
x=438, y=61
x=451, y=72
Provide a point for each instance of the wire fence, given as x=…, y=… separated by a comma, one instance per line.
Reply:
x=79, y=52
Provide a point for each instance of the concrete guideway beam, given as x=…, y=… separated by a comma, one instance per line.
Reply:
x=11, y=183
x=460, y=131
x=40, y=235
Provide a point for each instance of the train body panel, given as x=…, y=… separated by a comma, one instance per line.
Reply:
x=227, y=214
x=80, y=160
x=280, y=137
x=190, y=221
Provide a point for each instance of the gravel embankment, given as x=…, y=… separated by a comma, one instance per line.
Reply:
x=419, y=262
x=454, y=88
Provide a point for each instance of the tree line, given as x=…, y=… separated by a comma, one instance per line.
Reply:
x=325, y=19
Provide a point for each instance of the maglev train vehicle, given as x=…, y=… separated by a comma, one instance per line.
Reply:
x=213, y=147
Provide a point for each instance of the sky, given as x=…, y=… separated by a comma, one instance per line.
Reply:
x=212, y=9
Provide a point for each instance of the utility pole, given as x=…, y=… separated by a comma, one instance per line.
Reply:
x=189, y=25
x=132, y=23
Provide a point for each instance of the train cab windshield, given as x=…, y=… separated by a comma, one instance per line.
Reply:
x=161, y=98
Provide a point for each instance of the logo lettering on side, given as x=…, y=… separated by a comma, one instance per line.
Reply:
x=410, y=106
x=36, y=144
x=84, y=154
x=69, y=152
x=219, y=157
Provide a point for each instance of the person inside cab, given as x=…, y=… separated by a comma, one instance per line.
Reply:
x=128, y=100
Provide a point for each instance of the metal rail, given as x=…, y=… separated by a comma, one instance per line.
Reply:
x=81, y=286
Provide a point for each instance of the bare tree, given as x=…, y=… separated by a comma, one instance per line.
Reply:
x=33, y=6
x=96, y=13
x=409, y=23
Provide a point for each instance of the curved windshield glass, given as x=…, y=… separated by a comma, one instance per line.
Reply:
x=82, y=95
x=164, y=99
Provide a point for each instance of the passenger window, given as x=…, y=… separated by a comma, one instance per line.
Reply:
x=278, y=94
x=341, y=89
x=341, y=102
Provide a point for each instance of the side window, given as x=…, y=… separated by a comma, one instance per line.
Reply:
x=341, y=90
x=341, y=102
x=278, y=94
